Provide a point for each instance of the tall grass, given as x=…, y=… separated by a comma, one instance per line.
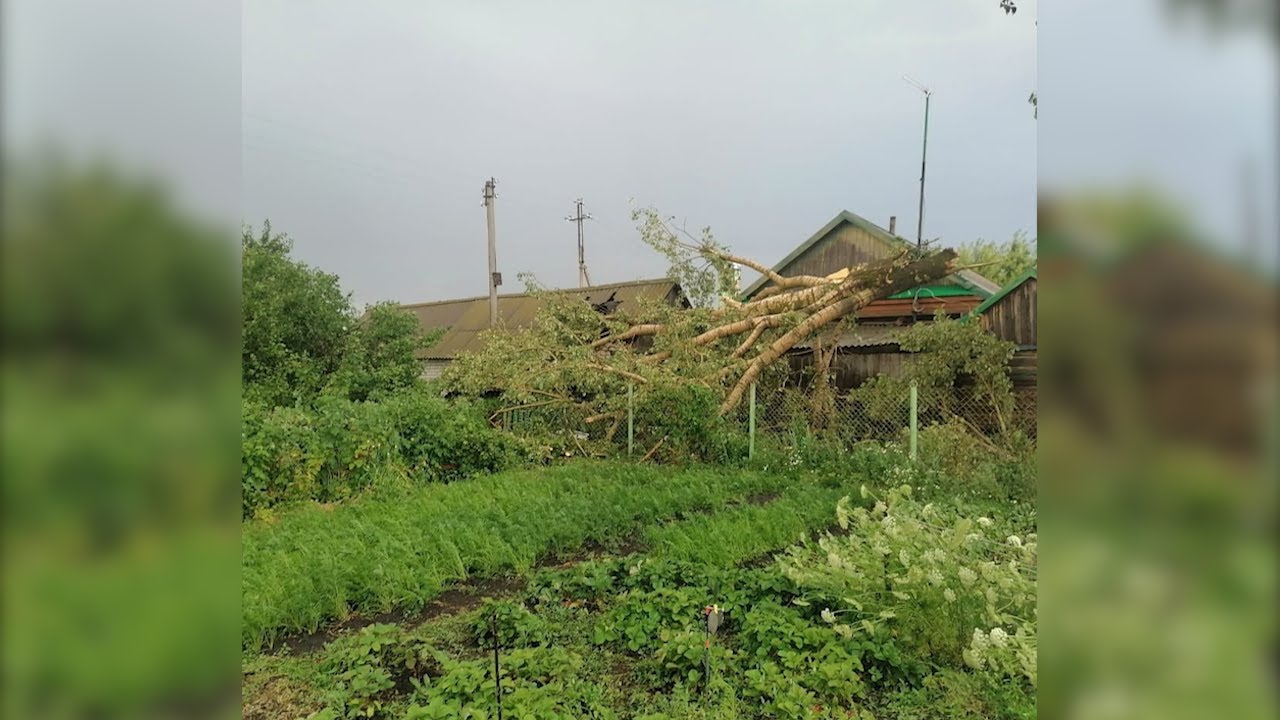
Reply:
x=399, y=549
x=732, y=536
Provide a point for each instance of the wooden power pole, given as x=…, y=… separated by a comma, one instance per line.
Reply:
x=583, y=279
x=495, y=277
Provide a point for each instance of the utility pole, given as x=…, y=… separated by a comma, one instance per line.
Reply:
x=583, y=280
x=495, y=277
x=924, y=154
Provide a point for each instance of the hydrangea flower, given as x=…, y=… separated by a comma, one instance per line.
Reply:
x=999, y=637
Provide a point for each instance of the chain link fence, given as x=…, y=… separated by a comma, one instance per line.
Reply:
x=779, y=416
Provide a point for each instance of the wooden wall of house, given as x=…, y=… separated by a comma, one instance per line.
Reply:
x=1014, y=317
x=853, y=366
x=1024, y=368
x=846, y=245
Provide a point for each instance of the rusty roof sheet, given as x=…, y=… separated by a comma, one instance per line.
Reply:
x=468, y=318
x=861, y=336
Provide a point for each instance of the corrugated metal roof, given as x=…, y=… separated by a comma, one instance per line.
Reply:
x=861, y=336
x=468, y=318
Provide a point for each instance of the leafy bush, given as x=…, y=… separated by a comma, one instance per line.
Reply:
x=338, y=448
x=686, y=418
x=958, y=463
x=946, y=586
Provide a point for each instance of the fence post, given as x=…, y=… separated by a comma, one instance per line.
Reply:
x=751, y=425
x=631, y=418
x=915, y=427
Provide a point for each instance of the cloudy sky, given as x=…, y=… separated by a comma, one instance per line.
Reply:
x=366, y=130
x=370, y=128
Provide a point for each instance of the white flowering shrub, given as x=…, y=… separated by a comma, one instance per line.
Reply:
x=943, y=587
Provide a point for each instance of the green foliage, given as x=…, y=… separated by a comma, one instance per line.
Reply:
x=633, y=623
x=119, y=322
x=945, y=586
x=733, y=535
x=685, y=419
x=360, y=670
x=539, y=684
x=337, y=448
x=682, y=655
x=397, y=550
x=295, y=324
x=516, y=626
x=953, y=694
x=876, y=620
x=301, y=336
x=946, y=351
x=705, y=278
x=1001, y=263
x=958, y=463
x=379, y=355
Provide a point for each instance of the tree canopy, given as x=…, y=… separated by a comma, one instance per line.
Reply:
x=302, y=337
x=1001, y=263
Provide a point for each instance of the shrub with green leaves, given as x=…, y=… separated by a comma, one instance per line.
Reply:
x=958, y=590
x=686, y=419
x=337, y=448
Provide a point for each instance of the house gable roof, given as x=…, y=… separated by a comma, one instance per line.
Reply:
x=1013, y=285
x=969, y=279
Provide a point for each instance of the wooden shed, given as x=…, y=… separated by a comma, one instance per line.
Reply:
x=1011, y=315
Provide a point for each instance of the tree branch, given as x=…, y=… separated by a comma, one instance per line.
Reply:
x=617, y=371
x=930, y=268
x=634, y=332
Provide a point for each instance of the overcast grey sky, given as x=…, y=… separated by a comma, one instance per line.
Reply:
x=365, y=130
x=369, y=129
x=1128, y=95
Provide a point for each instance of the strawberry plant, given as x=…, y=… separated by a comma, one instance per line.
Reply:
x=635, y=622
x=362, y=668
x=515, y=626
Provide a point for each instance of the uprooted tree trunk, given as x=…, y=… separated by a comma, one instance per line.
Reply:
x=725, y=348
x=848, y=299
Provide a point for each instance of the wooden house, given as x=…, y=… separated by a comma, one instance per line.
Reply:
x=870, y=348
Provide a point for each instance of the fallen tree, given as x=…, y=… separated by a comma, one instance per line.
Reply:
x=576, y=357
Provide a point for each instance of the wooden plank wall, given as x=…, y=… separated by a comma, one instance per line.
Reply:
x=1014, y=317
x=846, y=245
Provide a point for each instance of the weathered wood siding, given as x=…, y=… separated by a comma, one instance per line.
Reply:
x=1014, y=317
x=846, y=245
x=852, y=367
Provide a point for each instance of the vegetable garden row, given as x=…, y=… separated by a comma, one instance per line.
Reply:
x=909, y=609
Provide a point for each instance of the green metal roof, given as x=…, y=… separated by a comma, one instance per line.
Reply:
x=933, y=291
x=1031, y=273
x=974, y=283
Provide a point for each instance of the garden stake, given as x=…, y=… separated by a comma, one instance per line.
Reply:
x=497, y=674
x=711, y=615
